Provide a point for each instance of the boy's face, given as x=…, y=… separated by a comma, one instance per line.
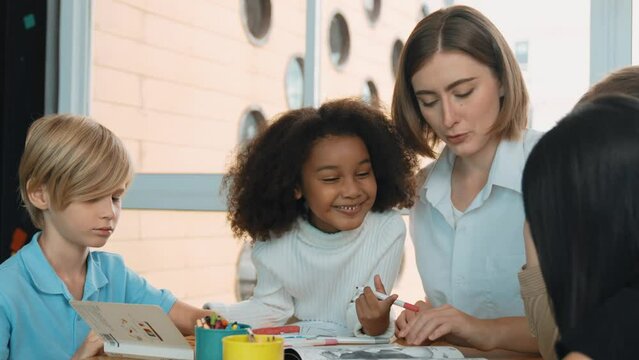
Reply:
x=338, y=183
x=85, y=223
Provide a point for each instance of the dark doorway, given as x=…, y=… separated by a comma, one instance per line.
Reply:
x=23, y=41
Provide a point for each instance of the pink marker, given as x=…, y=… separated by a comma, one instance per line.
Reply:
x=397, y=302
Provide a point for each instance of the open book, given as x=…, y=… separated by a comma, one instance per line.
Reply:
x=382, y=351
x=134, y=330
x=316, y=340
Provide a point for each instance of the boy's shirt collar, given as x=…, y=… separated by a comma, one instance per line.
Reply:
x=45, y=279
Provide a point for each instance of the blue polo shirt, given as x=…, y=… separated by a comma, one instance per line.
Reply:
x=36, y=319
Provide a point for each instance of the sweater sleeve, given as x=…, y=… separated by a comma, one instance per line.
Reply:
x=540, y=318
x=270, y=305
x=387, y=267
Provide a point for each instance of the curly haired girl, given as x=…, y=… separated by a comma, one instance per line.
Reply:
x=315, y=192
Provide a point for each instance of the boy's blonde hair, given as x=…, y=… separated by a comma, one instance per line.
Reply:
x=74, y=158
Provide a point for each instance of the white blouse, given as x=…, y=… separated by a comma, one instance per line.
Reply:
x=472, y=262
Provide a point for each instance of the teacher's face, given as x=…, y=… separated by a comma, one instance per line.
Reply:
x=459, y=98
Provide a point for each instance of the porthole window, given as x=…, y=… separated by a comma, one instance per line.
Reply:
x=425, y=10
x=373, y=8
x=294, y=83
x=256, y=17
x=370, y=94
x=339, y=40
x=252, y=123
x=398, y=45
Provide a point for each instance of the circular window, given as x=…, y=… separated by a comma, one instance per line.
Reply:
x=252, y=123
x=398, y=45
x=256, y=17
x=425, y=10
x=373, y=9
x=339, y=40
x=370, y=94
x=294, y=83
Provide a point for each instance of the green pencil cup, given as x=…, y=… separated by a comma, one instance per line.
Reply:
x=208, y=342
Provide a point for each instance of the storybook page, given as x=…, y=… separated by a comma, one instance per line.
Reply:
x=134, y=330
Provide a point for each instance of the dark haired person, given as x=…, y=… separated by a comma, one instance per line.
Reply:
x=582, y=203
x=533, y=289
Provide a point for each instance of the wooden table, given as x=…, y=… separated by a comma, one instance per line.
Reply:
x=496, y=354
x=468, y=352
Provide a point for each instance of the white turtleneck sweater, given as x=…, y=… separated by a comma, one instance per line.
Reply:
x=312, y=275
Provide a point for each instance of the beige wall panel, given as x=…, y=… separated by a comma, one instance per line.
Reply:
x=128, y=227
x=116, y=86
x=119, y=19
x=178, y=99
x=222, y=17
x=158, y=127
x=181, y=224
x=190, y=131
x=128, y=122
x=138, y=4
x=186, y=100
x=209, y=283
x=152, y=255
x=212, y=283
x=134, y=147
x=163, y=158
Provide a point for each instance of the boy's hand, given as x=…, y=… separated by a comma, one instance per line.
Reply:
x=373, y=313
x=92, y=346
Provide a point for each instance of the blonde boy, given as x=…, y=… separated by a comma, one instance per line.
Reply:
x=73, y=174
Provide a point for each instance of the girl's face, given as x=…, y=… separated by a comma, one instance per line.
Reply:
x=459, y=98
x=338, y=183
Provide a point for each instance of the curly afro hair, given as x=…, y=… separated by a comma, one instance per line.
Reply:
x=261, y=182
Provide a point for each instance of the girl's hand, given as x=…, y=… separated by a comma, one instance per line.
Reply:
x=407, y=316
x=92, y=346
x=458, y=327
x=373, y=313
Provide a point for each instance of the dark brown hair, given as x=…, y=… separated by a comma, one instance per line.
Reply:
x=623, y=81
x=261, y=183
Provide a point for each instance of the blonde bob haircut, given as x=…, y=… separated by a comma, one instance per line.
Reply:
x=75, y=159
x=463, y=29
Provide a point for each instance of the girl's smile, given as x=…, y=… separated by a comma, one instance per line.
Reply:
x=338, y=183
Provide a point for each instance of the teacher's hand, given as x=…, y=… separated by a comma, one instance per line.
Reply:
x=407, y=316
x=458, y=328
